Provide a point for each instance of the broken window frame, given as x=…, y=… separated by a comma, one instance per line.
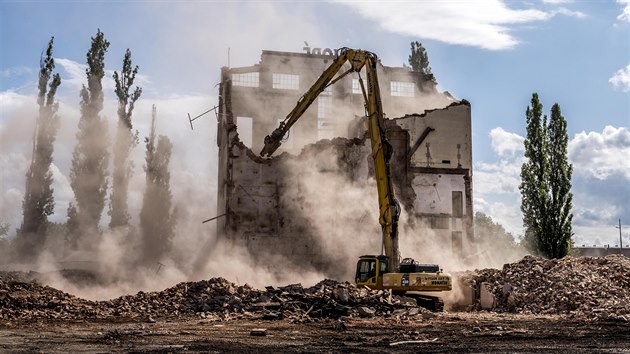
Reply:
x=324, y=113
x=285, y=81
x=402, y=89
x=249, y=79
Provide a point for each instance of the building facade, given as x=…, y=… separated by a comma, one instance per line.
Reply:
x=267, y=202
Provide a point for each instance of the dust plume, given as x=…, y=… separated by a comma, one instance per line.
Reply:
x=326, y=209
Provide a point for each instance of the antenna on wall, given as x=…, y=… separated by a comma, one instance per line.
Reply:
x=199, y=116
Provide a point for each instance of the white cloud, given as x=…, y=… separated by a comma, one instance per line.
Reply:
x=495, y=182
x=556, y=2
x=73, y=76
x=625, y=13
x=621, y=79
x=74, y=72
x=485, y=24
x=566, y=12
x=600, y=155
x=592, y=216
x=12, y=101
x=507, y=214
x=505, y=143
x=502, y=177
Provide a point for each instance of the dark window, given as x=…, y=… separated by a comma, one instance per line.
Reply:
x=458, y=204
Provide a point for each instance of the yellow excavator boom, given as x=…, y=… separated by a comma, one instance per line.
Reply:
x=389, y=209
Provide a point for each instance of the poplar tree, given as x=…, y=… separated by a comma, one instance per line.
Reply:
x=534, y=173
x=546, y=182
x=125, y=141
x=419, y=59
x=88, y=175
x=157, y=217
x=39, y=201
x=561, y=231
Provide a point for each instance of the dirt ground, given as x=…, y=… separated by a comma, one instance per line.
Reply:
x=477, y=332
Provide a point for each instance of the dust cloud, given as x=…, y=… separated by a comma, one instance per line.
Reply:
x=337, y=199
x=333, y=193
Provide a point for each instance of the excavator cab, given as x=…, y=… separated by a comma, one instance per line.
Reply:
x=370, y=270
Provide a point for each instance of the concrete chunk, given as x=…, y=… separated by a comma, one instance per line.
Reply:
x=258, y=332
x=486, y=299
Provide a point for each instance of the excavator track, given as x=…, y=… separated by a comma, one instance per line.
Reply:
x=433, y=303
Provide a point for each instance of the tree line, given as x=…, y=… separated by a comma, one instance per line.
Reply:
x=89, y=175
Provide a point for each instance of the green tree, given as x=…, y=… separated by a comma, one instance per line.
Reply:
x=39, y=201
x=88, y=175
x=419, y=59
x=546, y=182
x=125, y=141
x=492, y=232
x=534, y=173
x=157, y=217
x=561, y=198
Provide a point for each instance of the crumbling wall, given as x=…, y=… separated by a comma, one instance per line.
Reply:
x=440, y=172
x=296, y=211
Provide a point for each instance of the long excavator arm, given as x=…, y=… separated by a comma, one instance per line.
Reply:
x=389, y=209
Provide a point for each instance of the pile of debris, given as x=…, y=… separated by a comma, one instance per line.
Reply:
x=213, y=299
x=587, y=287
x=22, y=297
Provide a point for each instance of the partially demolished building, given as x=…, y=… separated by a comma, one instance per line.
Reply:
x=313, y=202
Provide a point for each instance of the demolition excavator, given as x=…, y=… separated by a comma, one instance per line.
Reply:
x=382, y=272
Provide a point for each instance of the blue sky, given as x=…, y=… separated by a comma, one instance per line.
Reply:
x=493, y=53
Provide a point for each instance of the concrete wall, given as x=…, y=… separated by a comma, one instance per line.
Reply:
x=452, y=127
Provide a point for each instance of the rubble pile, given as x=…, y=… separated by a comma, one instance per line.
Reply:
x=20, y=297
x=586, y=287
x=213, y=299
